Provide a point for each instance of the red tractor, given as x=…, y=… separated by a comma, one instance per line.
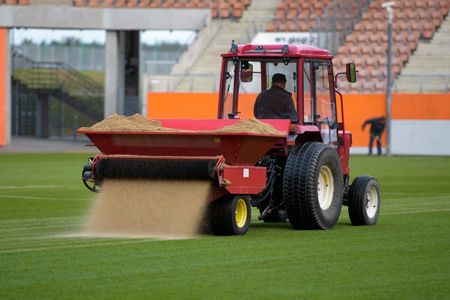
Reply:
x=300, y=174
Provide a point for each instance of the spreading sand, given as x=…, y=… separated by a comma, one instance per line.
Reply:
x=138, y=123
x=149, y=208
x=154, y=208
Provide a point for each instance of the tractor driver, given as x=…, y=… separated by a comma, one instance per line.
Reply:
x=276, y=102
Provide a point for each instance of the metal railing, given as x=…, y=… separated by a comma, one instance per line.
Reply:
x=80, y=91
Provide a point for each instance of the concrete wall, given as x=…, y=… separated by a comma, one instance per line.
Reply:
x=419, y=137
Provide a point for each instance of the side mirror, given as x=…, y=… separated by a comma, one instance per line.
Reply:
x=247, y=73
x=351, y=72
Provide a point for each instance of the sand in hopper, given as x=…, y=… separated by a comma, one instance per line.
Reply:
x=138, y=123
x=149, y=208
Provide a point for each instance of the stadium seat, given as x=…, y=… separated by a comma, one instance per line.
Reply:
x=225, y=10
x=371, y=63
x=166, y=4
x=144, y=3
x=119, y=3
x=368, y=87
x=427, y=31
x=271, y=28
x=238, y=10
x=155, y=4
x=93, y=3
x=203, y=3
x=79, y=3
x=363, y=73
x=132, y=3
x=380, y=87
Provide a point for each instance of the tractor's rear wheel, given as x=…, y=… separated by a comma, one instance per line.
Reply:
x=230, y=215
x=364, y=200
x=313, y=186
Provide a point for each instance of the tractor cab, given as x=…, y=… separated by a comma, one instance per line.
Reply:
x=247, y=70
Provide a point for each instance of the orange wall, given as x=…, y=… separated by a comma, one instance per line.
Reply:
x=421, y=106
x=182, y=105
x=357, y=109
x=3, y=44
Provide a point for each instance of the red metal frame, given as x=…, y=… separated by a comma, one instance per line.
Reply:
x=234, y=179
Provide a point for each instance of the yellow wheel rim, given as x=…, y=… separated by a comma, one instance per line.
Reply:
x=241, y=213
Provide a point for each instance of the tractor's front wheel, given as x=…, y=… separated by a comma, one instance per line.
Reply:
x=313, y=186
x=364, y=200
x=230, y=215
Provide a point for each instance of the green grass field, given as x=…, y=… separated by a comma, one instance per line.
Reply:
x=405, y=256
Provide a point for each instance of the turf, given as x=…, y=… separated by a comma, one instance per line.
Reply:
x=405, y=256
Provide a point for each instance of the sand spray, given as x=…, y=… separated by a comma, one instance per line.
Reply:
x=149, y=208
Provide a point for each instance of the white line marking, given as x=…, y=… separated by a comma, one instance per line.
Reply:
x=419, y=197
x=38, y=228
x=42, y=198
x=415, y=211
x=35, y=220
x=418, y=204
x=12, y=187
x=78, y=246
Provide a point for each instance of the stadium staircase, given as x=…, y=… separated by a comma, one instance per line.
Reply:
x=59, y=80
x=428, y=69
x=204, y=75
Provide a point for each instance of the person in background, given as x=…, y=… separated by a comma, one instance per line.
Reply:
x=276, y=102
x=376, y=130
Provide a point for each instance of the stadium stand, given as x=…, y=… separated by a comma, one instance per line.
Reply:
x=414, y=21
x=204, y=74
x=428, y=68
x=219, y=8
x=358, y=28
x=362, y=29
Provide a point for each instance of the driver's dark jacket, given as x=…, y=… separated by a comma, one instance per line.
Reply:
x=273, y=103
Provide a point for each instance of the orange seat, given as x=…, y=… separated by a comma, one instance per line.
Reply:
x=167, y=4
x=362, y=39
x=427, y=31
x=351, y=39
x=360, y=62
x=120, y=3
x=237, y=12
x=380, y=87
x=271, y=28
x=291, y=25
x=155, y=4
x=144, y=3
x=78, y=3
x=93, y=3
x=437, y=18
x=367, y=51
x=363, y=73
x=342, y=51
x=132, y=3
x=368, y=87
x=281, y=6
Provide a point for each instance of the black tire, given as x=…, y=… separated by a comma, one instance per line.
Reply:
x=230, y=215
x=278, y=215
x=313, y=186
x=364, y=201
